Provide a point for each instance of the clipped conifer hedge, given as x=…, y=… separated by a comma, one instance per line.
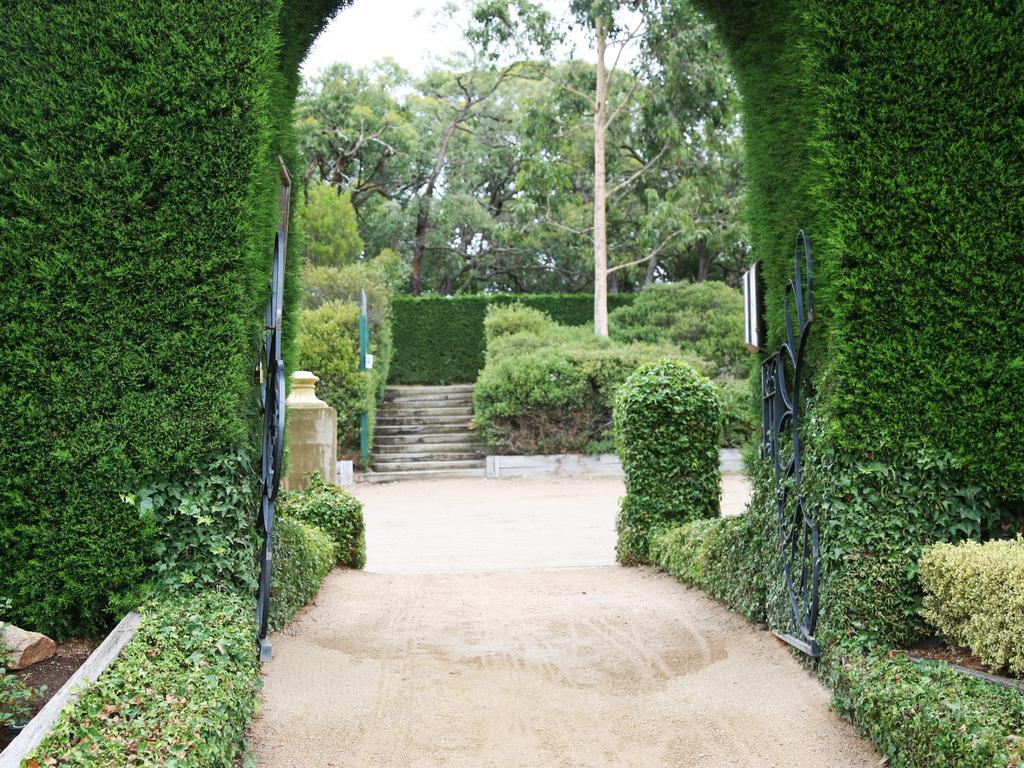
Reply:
x=888, y=136
x=138, y=182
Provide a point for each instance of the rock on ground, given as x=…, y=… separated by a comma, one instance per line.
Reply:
x=25, y=648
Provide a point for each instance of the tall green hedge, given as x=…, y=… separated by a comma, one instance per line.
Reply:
x=892, y=137
x=137, y=206
x=440, y=339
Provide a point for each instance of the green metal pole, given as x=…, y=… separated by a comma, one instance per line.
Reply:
x=364, y=350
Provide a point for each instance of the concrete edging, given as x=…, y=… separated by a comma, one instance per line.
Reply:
x=94, y=666
x=572, y=464
x=345, y=475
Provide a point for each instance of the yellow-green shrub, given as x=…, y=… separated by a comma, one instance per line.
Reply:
x=974, y=595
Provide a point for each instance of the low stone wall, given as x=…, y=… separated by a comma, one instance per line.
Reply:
x=567, y=464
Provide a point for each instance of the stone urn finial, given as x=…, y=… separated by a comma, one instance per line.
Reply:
x=303, y=394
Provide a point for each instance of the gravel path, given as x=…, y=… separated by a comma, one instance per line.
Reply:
x=533, y=665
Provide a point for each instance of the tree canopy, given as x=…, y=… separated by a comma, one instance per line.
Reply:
x=480, y=173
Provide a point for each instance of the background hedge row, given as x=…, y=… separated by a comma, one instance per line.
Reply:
x=440, y=339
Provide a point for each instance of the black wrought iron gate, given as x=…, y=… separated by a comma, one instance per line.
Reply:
x=270, y=367
x=782, y=380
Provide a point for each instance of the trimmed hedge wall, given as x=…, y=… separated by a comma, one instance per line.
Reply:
x=303, y=555
x=895, y=138
x=137, y=205
x=440, y=339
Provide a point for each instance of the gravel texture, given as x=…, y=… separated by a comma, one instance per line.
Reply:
x=535, y=661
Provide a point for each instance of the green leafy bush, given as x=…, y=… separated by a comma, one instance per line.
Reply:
x=302, y=557
x=375, y=276
x=724, y=556
x=334, y=511
x=181, y=693
x=440, y=339
x=703, y=320
x=666, y=434
x=501, y=320
x=328, y=342
x=924, y=714
x=549, y=388
x=329, y=227
x=328, y=345
x=203, y=534
x=973, y=595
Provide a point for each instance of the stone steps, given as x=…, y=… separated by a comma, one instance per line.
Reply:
x=428, y=474
x=423, y=439
x=435, y=449
x=448, y=428
x=416, y=453
x=423, y=432
x=427, y=463
x=415, y=414
x=398, y=421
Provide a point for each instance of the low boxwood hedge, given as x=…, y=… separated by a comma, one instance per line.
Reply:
x=666, y=434
x=180, y=695
x=303, y=555
x=335, y=512
x=974, y=595
x=724, y=556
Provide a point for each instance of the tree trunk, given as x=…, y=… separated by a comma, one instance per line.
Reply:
x=422, y=225
x=652, y=268
x=423, y=214
x=600, y=187
x=703, y=261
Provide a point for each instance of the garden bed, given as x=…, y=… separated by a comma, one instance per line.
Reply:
x=51, y=673
x=963, y=661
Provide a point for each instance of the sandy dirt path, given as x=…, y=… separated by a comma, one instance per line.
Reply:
x=509, y=523
x=533, y=665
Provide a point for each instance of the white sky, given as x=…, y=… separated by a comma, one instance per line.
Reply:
x=370, y=30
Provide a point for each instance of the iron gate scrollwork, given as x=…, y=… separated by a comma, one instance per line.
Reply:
x=782, y=378
x=270, y=367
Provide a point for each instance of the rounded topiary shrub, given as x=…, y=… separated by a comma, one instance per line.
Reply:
x=666, y=434
x=335, y=512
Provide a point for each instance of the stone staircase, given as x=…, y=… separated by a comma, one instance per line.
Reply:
x=424, y=432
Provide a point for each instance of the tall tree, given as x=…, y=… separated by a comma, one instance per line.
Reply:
x=499, y=40
x=616, y=24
